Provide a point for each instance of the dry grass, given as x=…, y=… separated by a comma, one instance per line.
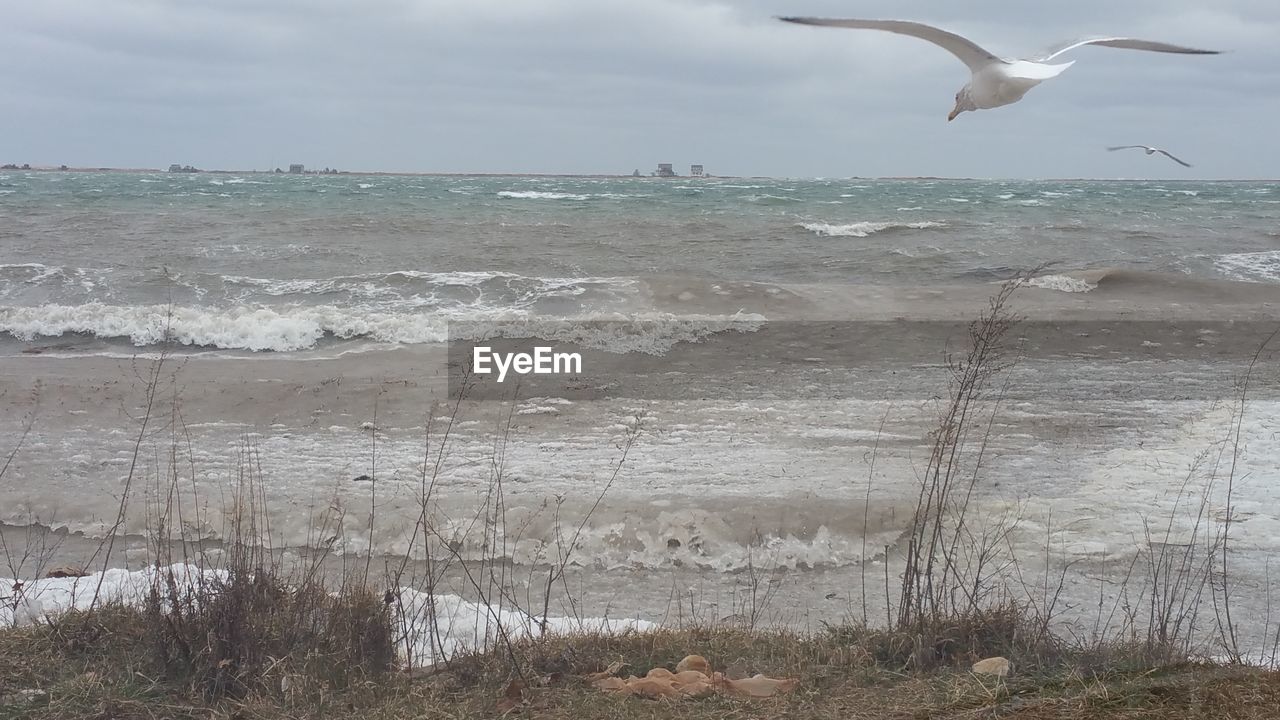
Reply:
x=251, y=632
x=232, y=639
x=104, y=666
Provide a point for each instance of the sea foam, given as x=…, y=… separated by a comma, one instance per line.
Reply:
x=1061, y=283
x=541, y=195
x=1251, y=267
x=301, y=328
x=863, y=229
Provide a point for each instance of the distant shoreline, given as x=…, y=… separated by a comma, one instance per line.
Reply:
x=609, y=176
x=399, y=173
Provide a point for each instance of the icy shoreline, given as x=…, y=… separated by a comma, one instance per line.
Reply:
x=432, y=627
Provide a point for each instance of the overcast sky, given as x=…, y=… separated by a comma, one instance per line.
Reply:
x=613, y=85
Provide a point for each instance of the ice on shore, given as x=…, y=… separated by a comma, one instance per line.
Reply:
x=430, y=627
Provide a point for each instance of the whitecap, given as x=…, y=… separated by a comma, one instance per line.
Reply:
x=863, y=229
x=1251, y=267
x=1061, y=283
x=541, y=195
x=301, y=328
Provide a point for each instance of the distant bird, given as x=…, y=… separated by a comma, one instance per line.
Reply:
x=996, y=81
x=1150, y=151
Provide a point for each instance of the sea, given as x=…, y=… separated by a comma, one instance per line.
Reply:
x=766, y=362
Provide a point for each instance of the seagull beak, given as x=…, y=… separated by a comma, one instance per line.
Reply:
x=953, y=115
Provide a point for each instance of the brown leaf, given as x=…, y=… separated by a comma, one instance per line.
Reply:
x=652, y=687
x=687, y=677
x=699, y=689
x=997, y=666
x=609, y=683
x=758, y=686
x=694, y=662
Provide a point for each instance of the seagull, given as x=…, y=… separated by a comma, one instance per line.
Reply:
x=1150, y=151
x=996, y=81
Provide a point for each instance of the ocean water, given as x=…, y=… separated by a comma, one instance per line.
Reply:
x=784, y=376
x=265, y=262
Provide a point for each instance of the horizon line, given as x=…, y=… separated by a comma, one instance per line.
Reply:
x=414, y=173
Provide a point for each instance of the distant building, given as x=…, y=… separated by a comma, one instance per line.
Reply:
x=296, y=169
x=695, y=170
x=664, y=170
x=175, y=168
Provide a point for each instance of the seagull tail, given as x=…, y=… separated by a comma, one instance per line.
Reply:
x=1030, y=70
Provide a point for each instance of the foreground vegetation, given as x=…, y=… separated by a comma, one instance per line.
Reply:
x=260, y=661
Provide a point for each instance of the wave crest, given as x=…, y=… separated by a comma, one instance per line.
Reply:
x=541, y=195
x=863, y=229
x=1061, y=283
x=302, y=328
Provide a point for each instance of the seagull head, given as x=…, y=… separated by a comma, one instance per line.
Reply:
x=963, y=103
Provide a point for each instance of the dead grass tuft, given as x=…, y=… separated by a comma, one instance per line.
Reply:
x=253, y=632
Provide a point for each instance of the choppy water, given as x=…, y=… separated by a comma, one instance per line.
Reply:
x=269, y=262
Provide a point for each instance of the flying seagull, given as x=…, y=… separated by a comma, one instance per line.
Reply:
x=996, y=81
x=1150, y=151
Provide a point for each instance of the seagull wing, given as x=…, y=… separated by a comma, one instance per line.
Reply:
x=1126, y=147
x=1166, y=154
x=969, y=52
x=1126, y=43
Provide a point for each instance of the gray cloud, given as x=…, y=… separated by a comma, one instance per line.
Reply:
x=612, y=85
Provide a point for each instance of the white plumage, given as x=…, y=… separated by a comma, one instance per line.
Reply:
x=996, y=81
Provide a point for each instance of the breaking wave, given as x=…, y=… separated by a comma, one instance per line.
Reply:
x=303, y=328
x=863, y=229
x=1061, y=283
x=549, y=195
x=541, y=195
